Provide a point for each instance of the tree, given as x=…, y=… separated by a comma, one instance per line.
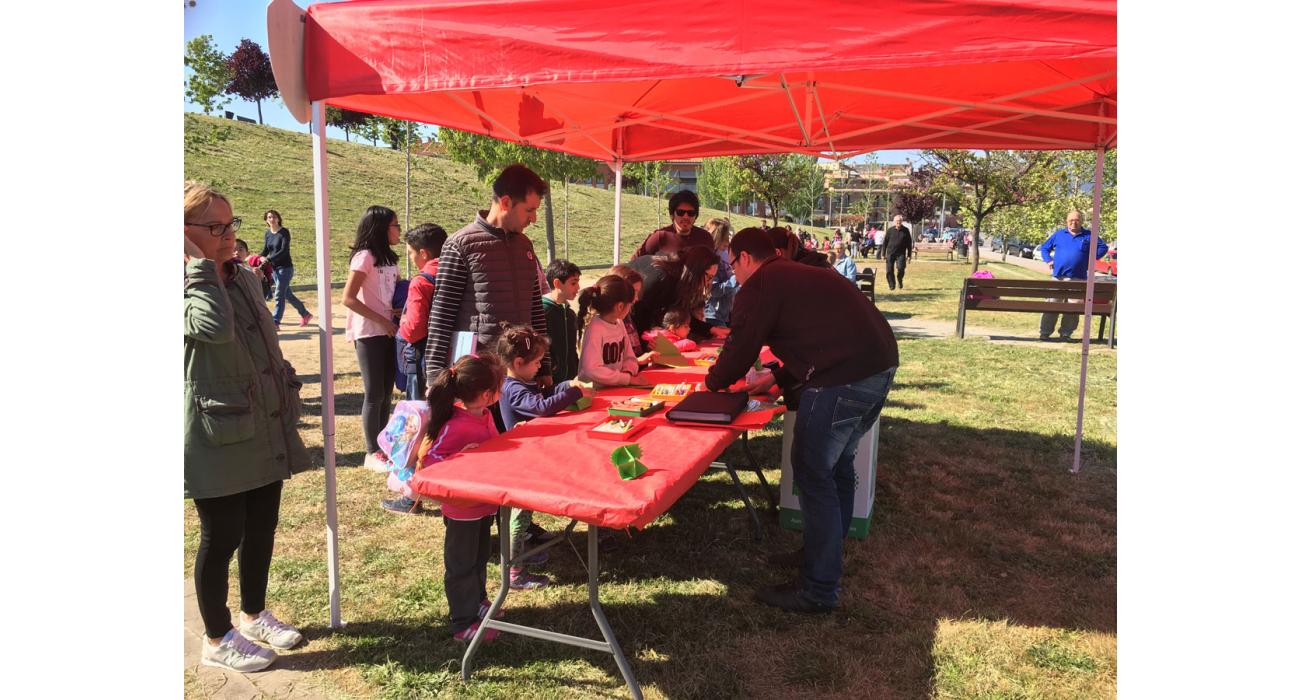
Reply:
x=719, y=183
x=654, y=179
x=983, y=184
x=810, y=188
x=370, y=129
x=771, y=178
x=250, y=74
x=490, y=156
x=346, y=119
x=206, y=86
x=916, y=201
x=395, y=132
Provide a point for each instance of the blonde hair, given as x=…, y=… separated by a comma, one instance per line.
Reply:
x=720, y=229
x=198, y=195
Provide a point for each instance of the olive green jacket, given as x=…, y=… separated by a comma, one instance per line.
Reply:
x=241, y=396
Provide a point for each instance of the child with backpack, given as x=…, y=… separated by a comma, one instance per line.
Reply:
x=475, y=382
x=423, y=247
x=522, y=349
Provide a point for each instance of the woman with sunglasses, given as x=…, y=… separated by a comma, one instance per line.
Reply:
x=682, y=233
x=275, y=250
x=241, y=436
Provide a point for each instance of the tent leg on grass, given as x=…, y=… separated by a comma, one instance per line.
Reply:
x=618, y=209
x=325, y=316
x=1087, y=302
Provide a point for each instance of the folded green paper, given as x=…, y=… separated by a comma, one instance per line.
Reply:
x=627, y=459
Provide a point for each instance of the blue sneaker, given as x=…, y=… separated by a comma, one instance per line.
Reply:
x=408, y=506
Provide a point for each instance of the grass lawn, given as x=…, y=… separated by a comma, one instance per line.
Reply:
x=262, y=167
x=989, y=570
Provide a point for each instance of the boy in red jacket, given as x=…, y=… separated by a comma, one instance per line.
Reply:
x=423, y=247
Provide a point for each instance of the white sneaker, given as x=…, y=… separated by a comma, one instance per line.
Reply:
x=236, y=653
x=377, y=462
x=265, y=628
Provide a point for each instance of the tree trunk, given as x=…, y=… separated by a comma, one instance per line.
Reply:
x=975, y=245
x=259, y=111
x=550, y=229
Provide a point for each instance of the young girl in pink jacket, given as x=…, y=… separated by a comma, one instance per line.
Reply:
x=476, y=383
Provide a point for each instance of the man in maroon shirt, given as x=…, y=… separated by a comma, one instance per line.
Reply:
x=683, y=209
x=838, y=360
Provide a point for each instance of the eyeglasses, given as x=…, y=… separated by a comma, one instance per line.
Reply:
x=686, y=212
x=397, y=225
x=220, y=229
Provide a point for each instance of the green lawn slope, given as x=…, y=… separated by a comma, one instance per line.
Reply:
x=262, y=167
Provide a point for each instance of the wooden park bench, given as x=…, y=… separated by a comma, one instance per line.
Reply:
x=867, y=282
x=1036, y=296
x=930, y=247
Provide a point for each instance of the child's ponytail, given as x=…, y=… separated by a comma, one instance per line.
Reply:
x=586, y=299
x=470, y=377
x=601, y=297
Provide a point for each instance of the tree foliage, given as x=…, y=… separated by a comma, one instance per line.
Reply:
x=771, y=178
x=983, y=183
x=490, y=156
x=394, y=132
x=346, y=119
x=810, y=188
x=209, y=76
x=1033, y=222
x=720, y=183
x=250, y=74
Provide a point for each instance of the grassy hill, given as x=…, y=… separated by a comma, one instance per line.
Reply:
x=262, y=167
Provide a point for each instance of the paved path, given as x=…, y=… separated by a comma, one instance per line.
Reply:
x=279, y=681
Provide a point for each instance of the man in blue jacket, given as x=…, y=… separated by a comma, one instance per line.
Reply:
x=1066, y=251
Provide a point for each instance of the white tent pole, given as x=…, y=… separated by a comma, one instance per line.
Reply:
x=324, y=312
x=1087, y=300
x=618, y=209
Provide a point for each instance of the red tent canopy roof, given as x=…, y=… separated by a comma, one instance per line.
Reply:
x=658, y=81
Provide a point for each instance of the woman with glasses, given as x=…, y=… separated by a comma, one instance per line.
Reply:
x=241, y=439
x=368, y=296
x=682, y=233
x=275, y=250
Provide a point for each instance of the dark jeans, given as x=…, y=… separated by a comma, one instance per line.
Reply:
x=245, y=522
x=465, y=548
x=899, y=259
x=377, y=356
x=830, y=422
x=282, y=275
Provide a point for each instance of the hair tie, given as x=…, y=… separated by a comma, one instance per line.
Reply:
x=452, y=372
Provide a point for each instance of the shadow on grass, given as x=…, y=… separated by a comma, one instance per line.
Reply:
x=968, y=524
x=315, y=378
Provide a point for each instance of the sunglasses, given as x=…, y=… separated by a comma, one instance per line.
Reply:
x=686, y=212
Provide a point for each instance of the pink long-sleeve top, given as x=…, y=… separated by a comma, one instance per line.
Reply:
x=461, y=431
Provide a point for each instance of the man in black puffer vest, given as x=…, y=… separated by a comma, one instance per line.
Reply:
x=488, y=273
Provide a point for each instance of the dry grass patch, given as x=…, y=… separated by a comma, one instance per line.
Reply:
x=999, y=659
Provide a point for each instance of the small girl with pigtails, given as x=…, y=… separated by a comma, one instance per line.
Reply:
x=458, y=420
x=522, y=349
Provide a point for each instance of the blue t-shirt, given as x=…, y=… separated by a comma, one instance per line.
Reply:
x=1068, y=253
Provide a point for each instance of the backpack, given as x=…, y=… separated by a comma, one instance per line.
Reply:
x=410, y=357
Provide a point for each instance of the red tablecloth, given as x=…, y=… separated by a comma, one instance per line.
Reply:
x=551, y=465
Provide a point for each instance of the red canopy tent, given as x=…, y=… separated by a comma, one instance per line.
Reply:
x=635, y=81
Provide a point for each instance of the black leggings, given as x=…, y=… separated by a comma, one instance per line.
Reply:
x=465, y=548
x=244, y=521
x=377, y=356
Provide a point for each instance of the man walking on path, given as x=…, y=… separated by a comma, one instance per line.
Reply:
x=838, y=359
x=1066, y=251
x=898, y=250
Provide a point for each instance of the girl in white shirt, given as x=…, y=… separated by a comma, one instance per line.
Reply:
x=607, y=356
x=368, y=296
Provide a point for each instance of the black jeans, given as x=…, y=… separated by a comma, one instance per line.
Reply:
x=244, y=521
x=465, y=548
x=899, y=259
x=377, y=356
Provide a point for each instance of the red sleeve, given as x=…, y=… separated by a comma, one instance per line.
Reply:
x=650, y=245
x=415, y=316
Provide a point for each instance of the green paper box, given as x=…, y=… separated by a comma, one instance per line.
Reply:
x=583, y=403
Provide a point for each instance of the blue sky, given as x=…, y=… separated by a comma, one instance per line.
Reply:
x=229, y=21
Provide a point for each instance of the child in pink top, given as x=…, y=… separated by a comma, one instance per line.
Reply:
x=475, y=382
x=677, y=325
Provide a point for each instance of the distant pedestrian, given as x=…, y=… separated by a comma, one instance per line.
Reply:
x=898, y=250
x=1066, y=252
x=275, y=250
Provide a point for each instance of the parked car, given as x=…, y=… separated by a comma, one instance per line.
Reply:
x=1107, y=265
